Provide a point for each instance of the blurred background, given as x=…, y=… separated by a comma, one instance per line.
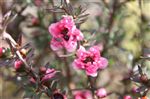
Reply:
x=120, y=27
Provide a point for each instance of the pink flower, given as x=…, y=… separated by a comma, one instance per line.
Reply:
x=65, y=34
x=127, y=97
x=135, y=89
x=18, y=64
x=90, y=61
x=49, y=74
x=84, y=94
x=101, y=92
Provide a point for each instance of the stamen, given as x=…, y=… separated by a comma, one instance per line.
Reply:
x=88, y=59
x=64, y=31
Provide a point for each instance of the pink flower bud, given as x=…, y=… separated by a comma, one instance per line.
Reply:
x=32, y=80
x=49, y=74
x=127, y=97
x=18, y=64
x=42, y=70
x=35, y=21
x=134, y=89
x=82, y=94
x=101, y=92
x=1, y=52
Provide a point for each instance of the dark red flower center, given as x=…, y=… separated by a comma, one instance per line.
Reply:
x=66, y=37
x=64, y=32
x=88, y=59
x=58, y=96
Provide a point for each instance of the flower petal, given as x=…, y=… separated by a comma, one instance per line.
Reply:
x=81, y=51
x=54, y=30
x=103, y=63
x=77, y=64
x=70, y=46
x=55, y=45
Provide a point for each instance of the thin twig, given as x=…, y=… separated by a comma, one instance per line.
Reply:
x=68, y=73
x=12, y=43
x=92, y=86
x=54, y=14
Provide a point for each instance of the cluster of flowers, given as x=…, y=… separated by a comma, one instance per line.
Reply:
x=50, y=73
x=66, y=35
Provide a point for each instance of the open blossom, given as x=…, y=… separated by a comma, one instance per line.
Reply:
x=101, y=92
x=84, y=94
x=65, y=34
x=49, y=74
x=90, y=61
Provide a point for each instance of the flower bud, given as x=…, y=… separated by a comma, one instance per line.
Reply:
x=35, y=21
x=42, y=70
x=1, y=52
x=134, y=89
x=49, y=73
x=101, y=92
x=127, y=97
x=18, y=64
x=32, y=80
x=82, y=94
x=144, y=78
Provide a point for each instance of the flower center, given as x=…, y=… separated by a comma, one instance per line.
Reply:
x=88, y=59
x=64, y=33
x=66, y=37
